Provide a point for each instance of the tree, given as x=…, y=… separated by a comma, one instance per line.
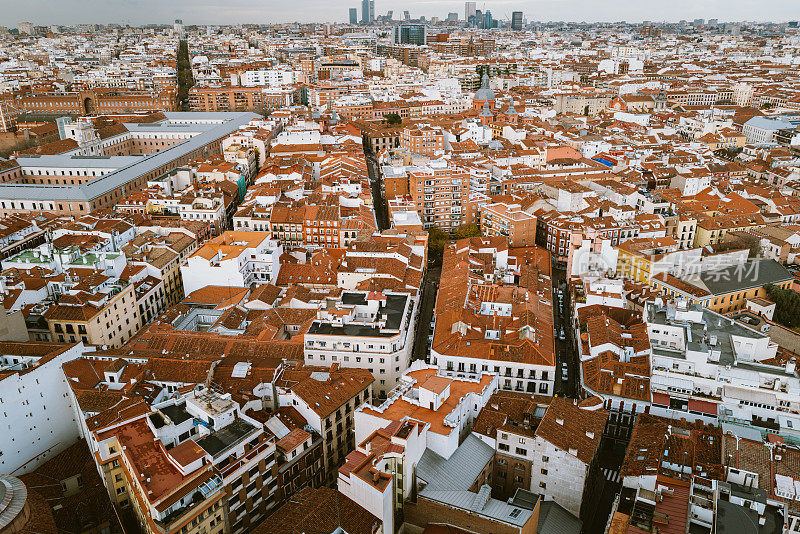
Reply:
x=467, y=230
x=184, y=68
x=393, y=118
x=741, y=241
x=787, y=305
x=437, y=240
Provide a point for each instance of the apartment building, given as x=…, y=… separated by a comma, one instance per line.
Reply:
x=161, y=258
x=239, y=98
x=440, y=192
x=369, y=330
x=233, y=259
x=422, y=139
x=728, y=373
x=563, y=452
x=447, y=406
x=99, y=310
x=480, y=326
x=379, y=473
x=713, y=230
x=183, y=466
x=238, y=448
x=621, y=377
x=38, y=422
x=300, y=454
x=544, y=445
x=327, y=397
x=508, y=220
x=396, y=259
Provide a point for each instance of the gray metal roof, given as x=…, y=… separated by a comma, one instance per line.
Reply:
x=752, y=273
x=769, y=123
x=554, y=519
x=460, y=470
x=222, y=124
x=448, y=482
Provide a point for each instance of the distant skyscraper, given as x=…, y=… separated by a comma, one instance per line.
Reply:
x=452, y=17
x=367, y=11
x=178, y=28
x=410, y=34
x=469, y=12
x=713, y=22
x=406, y=16
x=699, y=22
x=26, y=28
x=353, y=15
x=516, y=20
x=488, y=21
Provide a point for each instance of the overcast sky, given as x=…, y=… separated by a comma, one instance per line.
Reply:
x=136, y=12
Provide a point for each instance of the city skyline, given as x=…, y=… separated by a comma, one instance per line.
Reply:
x=212, y=12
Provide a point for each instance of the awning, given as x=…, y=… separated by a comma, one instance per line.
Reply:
x=661, y=399
x=706, y=407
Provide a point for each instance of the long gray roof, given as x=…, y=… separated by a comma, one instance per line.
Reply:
x=448, y=482
x=221, y=124
x=460, y=470
x=554, y=519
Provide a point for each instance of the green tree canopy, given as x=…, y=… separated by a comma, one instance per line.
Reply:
x=467, y=230
x=393, y=118
x=787, y=305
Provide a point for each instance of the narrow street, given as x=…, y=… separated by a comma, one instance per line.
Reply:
x=565, y=354
x=430, y=283
x=610, y=457
x=378, y=202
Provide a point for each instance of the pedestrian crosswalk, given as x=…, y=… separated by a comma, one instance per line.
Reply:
x=611, y=475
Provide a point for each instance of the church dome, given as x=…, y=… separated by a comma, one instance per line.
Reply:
x=484, y=94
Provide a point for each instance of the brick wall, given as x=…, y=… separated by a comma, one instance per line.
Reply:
x=425, y=512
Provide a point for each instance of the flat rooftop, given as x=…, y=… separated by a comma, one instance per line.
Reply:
x=400, y=408
x=394, y=308
x=713, y=325
x=227, y=437
x=153, y=469
x=176, y=412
